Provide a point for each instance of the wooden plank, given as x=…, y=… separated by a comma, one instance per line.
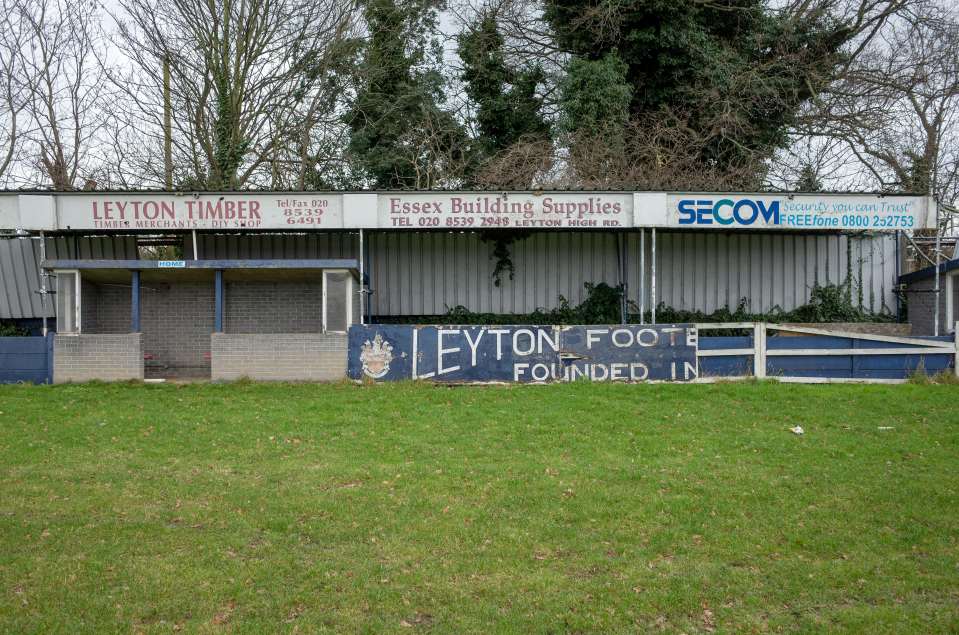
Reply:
x=725, y=325
x=803, y=380
x=812, y=352
x=725, y=352
x=892, y=339
x=838, y=380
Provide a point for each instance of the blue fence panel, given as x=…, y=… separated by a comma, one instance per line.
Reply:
x=725, y=365
x=898, y=366
x=26, y=359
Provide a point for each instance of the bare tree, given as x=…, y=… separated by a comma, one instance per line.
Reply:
x=13, y=92
x=249, y=80
x=58, y=86
x=896, y=108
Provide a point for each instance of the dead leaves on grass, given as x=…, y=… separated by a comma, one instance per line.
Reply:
x=709, y=621
x=418, y=619
x=224, y=615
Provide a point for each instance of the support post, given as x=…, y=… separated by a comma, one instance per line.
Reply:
x=624, y=300
x=362, y=290
x=367, y=292
x=955, y=339
x=196, y=252
x=652, y=285
x=950, y=301
x=218, y=301
x=938, y=262
x=642, y=276
x=43, y=282
x=898, y=273
x=135, y=302
x=759, y=350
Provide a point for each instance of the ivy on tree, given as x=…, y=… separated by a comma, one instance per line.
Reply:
x=505, y=97
x=738, y=71
x=400, y=136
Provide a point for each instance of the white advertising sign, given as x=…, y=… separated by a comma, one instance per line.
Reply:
x=484, y=210
x=163, y=212
x=470, y=211
x=798, y=212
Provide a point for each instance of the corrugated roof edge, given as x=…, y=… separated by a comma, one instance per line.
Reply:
x=929, y=272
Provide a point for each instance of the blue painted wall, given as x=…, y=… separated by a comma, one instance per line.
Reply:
x=490, y=367
x=665, y=352
x=26, y=359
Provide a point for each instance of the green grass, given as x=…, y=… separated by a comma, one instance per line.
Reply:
x=409, y=508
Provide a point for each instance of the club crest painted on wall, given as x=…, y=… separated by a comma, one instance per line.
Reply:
x=376, y=357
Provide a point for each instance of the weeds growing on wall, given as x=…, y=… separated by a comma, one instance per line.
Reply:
x=827, y=303
x=502, y=240
x=12, y=330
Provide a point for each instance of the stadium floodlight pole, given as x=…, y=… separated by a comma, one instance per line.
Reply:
x=642, y=276
x=652, y=286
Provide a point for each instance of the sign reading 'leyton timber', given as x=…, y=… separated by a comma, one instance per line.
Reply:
x=662, y=352
x=462, y=211
x=207, y=211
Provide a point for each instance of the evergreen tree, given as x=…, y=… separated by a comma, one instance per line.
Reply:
x=595, y=97
x=400, y=136
x=737, y=70
x=507, y=105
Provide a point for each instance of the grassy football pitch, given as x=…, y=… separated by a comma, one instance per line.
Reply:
x=406, y=508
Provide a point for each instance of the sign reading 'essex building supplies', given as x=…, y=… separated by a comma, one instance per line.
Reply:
x=480, y=210
x=628, y=353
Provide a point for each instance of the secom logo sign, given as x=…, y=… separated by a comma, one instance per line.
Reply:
x=727, y=212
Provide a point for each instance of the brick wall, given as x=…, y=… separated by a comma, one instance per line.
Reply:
x=921, y=304
x=89, y=302
x=176, y=320
x=113, y=309
x=273, y=307
x=287, y=357
x=105, y=357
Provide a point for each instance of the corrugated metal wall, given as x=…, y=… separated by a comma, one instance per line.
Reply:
x=413, y=273
x=20, y=268
x=256, y=246
x=426, y=273
x=708, y=271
